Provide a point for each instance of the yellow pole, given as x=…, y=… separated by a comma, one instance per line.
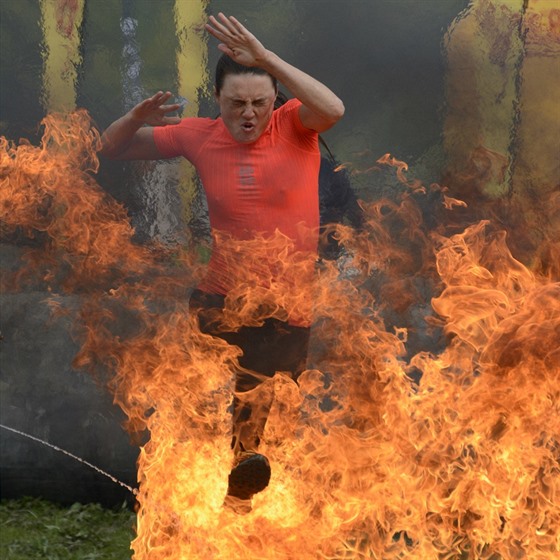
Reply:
x=501, y=132
x=536, y=170
x=192, y=57
x=484, y=50
x=538, y=155
x=61, y=20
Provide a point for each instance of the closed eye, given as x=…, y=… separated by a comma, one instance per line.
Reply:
x=238, y=103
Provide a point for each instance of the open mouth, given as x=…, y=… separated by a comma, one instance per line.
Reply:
x=248, y=127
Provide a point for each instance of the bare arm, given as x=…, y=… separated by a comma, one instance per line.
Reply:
x=321, y=107
x=128, y=138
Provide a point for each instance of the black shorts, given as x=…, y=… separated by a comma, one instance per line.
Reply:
x=274, y=346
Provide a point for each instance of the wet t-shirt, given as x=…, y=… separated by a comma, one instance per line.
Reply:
x=252, y=189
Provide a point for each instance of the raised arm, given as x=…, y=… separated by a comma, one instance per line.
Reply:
x=321, y=107
x=128, y=138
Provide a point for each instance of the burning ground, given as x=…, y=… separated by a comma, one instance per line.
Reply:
x=390, y=445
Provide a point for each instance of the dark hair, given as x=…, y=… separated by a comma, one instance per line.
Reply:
x=227, y=65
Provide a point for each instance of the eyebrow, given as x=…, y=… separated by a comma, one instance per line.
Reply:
x=240, y=99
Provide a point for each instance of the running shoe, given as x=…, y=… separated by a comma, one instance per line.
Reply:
x=250, y=475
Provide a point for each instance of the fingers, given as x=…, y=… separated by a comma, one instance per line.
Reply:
x=228, y=28
x=237, y=25
x=225, y=24
x=170, y=108
x=159, y=98
x=156, y=104
x=217, y=29
x=232, y=24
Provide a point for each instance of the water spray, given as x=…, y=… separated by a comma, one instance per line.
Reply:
x=134, y=491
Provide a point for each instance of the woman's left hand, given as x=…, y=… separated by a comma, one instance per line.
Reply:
x=236, y=40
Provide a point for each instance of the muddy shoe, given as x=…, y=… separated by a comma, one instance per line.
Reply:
x=250, y=475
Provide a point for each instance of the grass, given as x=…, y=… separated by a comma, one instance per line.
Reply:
x=33, y=529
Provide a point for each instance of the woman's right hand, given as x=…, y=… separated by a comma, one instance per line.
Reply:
x=153, y=111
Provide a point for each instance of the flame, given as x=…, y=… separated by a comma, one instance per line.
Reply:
x=367, y=461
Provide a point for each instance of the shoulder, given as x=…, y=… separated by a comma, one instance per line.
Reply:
x=191, y=123
x=187, y=125
x=185, y=137
x=288, y=117
x=290, y=109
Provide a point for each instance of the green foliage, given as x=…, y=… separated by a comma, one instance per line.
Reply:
x=33, y=529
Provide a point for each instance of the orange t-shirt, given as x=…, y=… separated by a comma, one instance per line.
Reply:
x=251, y=189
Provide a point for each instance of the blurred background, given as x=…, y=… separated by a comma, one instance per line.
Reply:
x=464, y=91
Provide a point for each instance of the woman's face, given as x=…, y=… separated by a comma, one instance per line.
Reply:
x=246, y=104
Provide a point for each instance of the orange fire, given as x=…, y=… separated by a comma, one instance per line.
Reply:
x=367, y=461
